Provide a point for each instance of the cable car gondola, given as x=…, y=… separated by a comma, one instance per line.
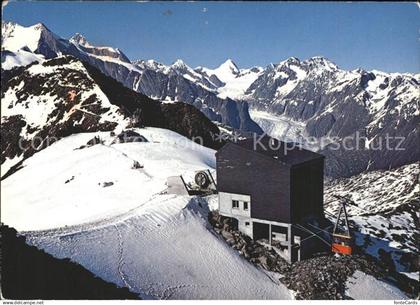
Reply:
x=342, y=241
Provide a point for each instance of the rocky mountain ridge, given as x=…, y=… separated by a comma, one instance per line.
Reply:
x=316, y=103
x=46, y=101
x=312, y=102
x=172, y=84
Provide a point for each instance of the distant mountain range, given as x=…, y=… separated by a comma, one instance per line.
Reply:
x=315, y=99
x=312, y=102
x=67, y=104
x=167, y=83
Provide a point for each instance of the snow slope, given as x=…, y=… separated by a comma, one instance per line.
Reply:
x=19, y=58
x=235, y=81
x=362, y=286
x=235, y=88
x=169, y=254
x=18, y=37
x=84, y=199
x=131, y=233
x=226, y=72
x=20, y=44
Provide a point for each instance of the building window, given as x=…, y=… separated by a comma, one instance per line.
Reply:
x=235, y=204
x=247, y=223
x=245, y=205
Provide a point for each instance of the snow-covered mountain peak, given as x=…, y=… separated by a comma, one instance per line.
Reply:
x=289, y=61
x=40, y=27
x=179, y=64
x=359, y=71
x=270, y=67
x=229, y=63
x=293, y=59
x=234, y=81
x=321, y=62
x=226, y=72
x=23, y=45
x=104, y=52
x=149, y=64
x=320, y=59
x=80, y=40
x=6, y=28
x=45, y=34
x=15, y=37
x=5, y=24
x=228, y=67
x=318, y=63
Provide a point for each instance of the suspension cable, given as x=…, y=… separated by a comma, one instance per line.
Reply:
x=309, y=231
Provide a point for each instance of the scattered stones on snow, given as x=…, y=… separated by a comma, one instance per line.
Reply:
x=94, y=141
x=68, y=180
x=137, y=165
x=129, y=136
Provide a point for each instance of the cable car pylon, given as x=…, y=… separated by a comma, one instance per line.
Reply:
x=342, y=240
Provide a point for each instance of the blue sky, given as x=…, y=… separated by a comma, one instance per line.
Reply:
x=383, y=36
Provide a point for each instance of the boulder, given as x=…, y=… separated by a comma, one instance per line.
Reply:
x=227, y=235
x=129, y=136
x=262, y=260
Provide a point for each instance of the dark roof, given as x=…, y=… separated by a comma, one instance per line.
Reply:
x=288, y=153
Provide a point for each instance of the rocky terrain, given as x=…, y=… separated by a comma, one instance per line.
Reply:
x=329, y=109
x=69, y=103
x=21, y=45
x=58, y=97
x=303, y=101
x=123, y=222
x=49, y=101
x=322, y=278
x=384, y=214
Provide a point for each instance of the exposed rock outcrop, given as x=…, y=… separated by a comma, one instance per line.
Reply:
x=322, y=277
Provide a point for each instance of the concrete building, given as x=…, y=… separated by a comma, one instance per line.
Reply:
x=274, y=191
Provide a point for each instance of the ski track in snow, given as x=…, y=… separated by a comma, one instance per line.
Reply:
x=121, y=260
x=131, y=233
x=168, y=255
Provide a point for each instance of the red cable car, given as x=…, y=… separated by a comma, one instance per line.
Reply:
x=342, y=240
